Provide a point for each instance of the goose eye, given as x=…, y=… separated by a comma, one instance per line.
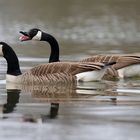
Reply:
x=33, y=33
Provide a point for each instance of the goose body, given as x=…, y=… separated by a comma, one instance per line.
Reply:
x=126, y=65
x=62, y=72
x=52, y=72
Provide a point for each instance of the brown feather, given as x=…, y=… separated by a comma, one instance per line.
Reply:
x=65, y=67
x=58, y=72
x=121, y=60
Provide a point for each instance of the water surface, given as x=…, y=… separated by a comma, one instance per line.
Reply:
x=95, y=110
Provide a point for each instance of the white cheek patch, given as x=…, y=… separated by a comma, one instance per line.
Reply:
x=37, y=36
x=1, y=52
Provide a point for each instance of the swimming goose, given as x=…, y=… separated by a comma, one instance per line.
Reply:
x=55, y=72
x=126, y=65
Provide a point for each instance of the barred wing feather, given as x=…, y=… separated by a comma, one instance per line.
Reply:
x=121, y=60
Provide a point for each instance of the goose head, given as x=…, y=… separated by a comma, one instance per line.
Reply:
x=32, y=34
x=5, y=50
x=38, y=35
x=12, y=60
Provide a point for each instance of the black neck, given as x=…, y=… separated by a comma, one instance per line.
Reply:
x=12, y=61
x=54, y=56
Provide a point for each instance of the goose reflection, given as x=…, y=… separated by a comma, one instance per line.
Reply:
x=53, y=94
x=13, y=96
x=12, y=99
x=69, y=93
x=59, y=93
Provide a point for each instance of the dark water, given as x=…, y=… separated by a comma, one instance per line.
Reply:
x=95, y=110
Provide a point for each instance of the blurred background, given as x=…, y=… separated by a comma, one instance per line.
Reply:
x=82, y=27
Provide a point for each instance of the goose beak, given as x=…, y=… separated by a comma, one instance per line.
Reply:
x=24, y=37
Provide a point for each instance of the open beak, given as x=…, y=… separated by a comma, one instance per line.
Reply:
x=24, y=37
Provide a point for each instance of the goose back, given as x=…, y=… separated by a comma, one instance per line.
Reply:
x=67, y=68
x=120, y=69
x=57, y=72
x=121, y=60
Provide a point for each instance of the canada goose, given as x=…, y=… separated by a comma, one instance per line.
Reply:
x=126, y=65
x=52, y=72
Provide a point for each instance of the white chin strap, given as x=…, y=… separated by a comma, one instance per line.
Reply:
x=37, y=36
x=1, y=53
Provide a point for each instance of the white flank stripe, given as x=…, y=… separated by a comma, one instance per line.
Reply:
x=129, y=71
x=90, y=75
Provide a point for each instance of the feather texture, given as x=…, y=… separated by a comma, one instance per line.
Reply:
x=57, y=72
x=66, y=67
x=122, y=61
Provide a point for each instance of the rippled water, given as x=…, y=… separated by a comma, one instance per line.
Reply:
x=95, y=110
x=100, y=110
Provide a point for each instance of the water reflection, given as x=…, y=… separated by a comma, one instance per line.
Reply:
x=13, y=96
x=113, y=92
x=83, y=108
x=12, y=99
x=55, y=95
x=60, y=93
x=54, y=110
